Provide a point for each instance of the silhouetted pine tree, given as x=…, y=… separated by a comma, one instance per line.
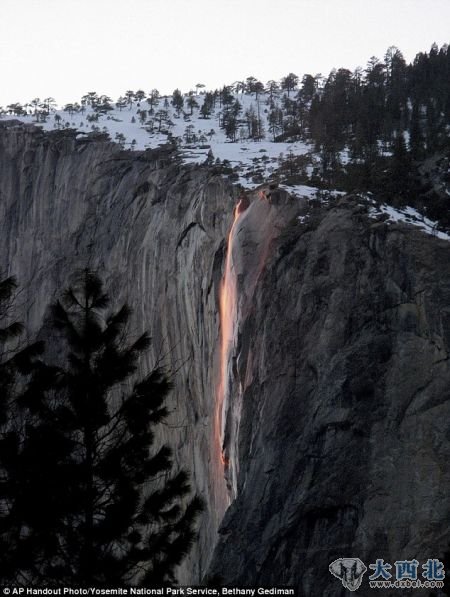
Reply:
x=395, y=181
x=8, y=331
x=16, y=362
x=95, y=503
x=416, y=140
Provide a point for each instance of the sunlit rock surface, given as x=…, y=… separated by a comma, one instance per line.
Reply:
x=336, y=424
x=343, y=379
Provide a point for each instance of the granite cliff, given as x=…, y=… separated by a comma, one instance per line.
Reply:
x=327, y=435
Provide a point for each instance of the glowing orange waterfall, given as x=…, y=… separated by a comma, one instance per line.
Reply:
x=247, y=249
x=228, y=312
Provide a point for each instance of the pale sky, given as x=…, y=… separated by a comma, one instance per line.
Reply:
x=64, y=48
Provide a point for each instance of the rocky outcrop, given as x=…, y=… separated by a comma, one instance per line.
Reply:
x=335, y=422
x=155, y=232
x=344, y=381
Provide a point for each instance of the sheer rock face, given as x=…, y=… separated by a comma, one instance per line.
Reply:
x=156, y=234
x=337, y=419
x=344, y=426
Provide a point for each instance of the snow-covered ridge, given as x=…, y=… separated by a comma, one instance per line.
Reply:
x=408, y=215
x=387, y=213
x=139, y=126
x=201, y=137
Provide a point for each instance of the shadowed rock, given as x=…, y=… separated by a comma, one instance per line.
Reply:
x=338, y=417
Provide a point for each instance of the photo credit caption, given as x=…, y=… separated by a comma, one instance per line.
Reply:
x=165, y=591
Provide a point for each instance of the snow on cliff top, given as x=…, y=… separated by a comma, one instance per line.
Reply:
x=206, y=133
x=408, y=215
x=253, y=161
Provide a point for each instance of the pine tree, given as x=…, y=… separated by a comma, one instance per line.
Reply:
x=153, y=99
x=177, y=101
x=231, y=126
x=308, y=88
x=94, y=502
x=416, y=140
x=130, y=96
x=397, y=183
x=139, y=95
x=121, y=103
x=275, y=120
x=208, y=105
x=289, y=83
x=16, y=362
x=272, y=89
x=191, y=103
